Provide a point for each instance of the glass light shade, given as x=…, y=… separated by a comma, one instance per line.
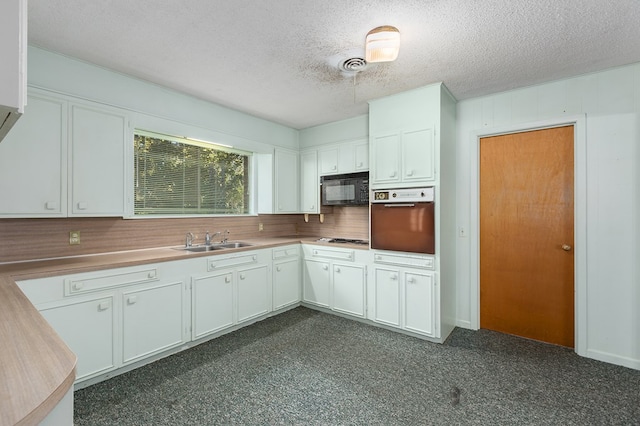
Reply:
x=382, y=44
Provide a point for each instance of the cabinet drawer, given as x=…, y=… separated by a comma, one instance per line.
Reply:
x=413, y=261
x=76, y=285
x=214, y=264
x=285, y=252
x=348, y=255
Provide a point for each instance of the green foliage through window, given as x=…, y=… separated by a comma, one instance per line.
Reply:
x=176, y=176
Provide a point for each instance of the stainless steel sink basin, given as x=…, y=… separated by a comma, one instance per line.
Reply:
x=233, y=245
x=212, y=247
x=200, y=249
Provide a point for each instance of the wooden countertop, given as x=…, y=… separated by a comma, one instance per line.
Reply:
x=36, y=366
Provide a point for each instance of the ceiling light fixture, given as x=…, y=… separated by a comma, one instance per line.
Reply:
x=382, y=44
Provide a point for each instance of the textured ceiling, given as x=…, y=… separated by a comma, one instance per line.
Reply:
x=275, y=58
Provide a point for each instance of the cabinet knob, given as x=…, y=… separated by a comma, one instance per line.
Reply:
x=312, y=207
x=242, y=276
x=378, y=257
x=337, y=269
x=393, y=174
x=82, y=205
x=325, y=267
x=394, y=277
x=253, y=257
x=103, y=306
x=151, y=274
x=334, y=167
x=566, y=247
x=278, y=268
x=360, y=164
x=78, y=286
x=410, y=173
x=350, y=256
x=51, y=205
x=131, y=300
x=227, y=279
x=411, y=280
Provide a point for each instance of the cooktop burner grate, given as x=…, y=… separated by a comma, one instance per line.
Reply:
x=344, y=241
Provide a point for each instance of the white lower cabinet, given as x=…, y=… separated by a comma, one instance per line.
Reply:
x=286, y=276
x=316, y=282
x=406, y=296
x=332, y=279
x=349, y=289
x=152, y=320
x=236, y=289
x=114, y=317
x=87, y=326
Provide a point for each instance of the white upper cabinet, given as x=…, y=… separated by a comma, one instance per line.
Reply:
x=309, y=182
x=278, y=182
x=97, y=153
x=404, y=157
x=406, y=131
x=63, y=159
x=346, y=157
x=33, y=162
x=13, y=66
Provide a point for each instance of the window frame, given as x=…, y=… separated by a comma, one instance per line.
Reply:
x=251, y=179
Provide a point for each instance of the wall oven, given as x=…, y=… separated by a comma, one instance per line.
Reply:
x=403, y=220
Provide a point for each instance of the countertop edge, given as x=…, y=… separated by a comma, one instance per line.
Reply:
x=38, y=368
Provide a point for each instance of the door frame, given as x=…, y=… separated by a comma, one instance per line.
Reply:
x=579, y=215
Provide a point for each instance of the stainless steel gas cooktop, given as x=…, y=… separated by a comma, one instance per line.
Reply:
x=344, y=241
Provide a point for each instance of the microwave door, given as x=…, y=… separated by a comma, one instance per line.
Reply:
x=408, y=227
x=338, y=192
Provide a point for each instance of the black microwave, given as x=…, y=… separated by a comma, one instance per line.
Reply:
x=351, y=189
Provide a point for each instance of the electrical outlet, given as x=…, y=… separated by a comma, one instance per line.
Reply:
x=462, y=232
x=260, y=227
x=74, y=237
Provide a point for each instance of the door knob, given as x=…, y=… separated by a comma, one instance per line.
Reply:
x=566, y=247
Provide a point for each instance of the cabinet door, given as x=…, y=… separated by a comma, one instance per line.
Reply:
x=254, y=297
x=87, y=327
x=316, y=283
x=151, y=320
x=387, y=296
x=310, y=188
x=418, y=151
x=286, y=181
x=346, y=158
x=97, y=162
x=211, y=304
x=328, y=161
x=419, y=303
x=349, y=289
x=286, y=283
x=362, y=156
x=385, y=158
x=33, y=176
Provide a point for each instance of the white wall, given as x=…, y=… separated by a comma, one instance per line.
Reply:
x=155, y=105
x=338, y=131
x=608, y=207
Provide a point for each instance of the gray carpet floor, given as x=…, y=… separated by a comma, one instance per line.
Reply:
x=307, y=367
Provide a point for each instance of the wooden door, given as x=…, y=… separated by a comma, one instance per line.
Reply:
x=526, y=235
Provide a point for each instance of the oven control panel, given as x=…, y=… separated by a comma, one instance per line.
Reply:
x=402, y=195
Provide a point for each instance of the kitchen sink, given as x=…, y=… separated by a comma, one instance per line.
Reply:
x=233, y=245
x=200, y=249
x=212, y=247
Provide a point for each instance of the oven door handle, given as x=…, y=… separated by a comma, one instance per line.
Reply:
x=400, y=205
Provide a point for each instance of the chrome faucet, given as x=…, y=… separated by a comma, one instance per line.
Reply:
x=209, y=237
x=188, y=242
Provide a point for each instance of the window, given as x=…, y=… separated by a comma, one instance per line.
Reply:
x=179, y=176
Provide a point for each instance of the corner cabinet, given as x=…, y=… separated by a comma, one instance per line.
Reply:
x=335, y=279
